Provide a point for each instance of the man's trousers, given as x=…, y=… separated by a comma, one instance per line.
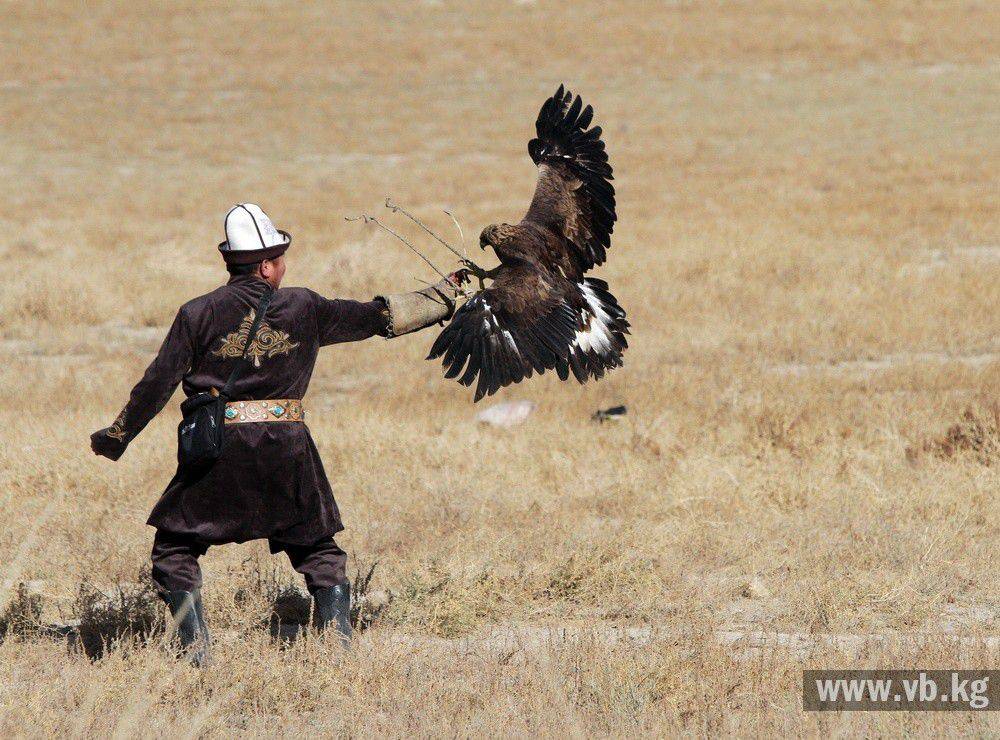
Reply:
x=175, y=562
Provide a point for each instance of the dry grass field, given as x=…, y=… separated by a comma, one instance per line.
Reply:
x=809, y=471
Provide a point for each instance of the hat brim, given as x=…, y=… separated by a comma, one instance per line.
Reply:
x=249, y=256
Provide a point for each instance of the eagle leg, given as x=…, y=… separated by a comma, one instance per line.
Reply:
x=479, y=273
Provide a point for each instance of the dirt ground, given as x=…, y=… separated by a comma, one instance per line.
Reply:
x=809, y=252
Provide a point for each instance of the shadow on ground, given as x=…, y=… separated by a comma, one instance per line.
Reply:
x=130, y=614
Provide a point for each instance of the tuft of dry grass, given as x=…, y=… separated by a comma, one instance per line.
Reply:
x=125, y=617
x=22, y=615
x=977, y=435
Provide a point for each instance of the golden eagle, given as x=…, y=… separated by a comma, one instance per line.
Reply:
x=540, y=312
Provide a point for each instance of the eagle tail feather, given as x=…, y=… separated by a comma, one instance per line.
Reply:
x=600, y=336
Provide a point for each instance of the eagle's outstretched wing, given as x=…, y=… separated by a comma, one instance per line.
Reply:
x=574, y=197
x=541, y=313
x=528, y=321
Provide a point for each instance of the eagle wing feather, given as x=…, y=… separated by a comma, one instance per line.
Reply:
x=574, y=198
x=528, y=322
x=520, y=325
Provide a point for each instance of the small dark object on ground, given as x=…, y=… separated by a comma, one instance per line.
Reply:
x=612, y=414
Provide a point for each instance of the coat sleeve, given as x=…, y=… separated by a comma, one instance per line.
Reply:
x=151, y=393
x=339, y=320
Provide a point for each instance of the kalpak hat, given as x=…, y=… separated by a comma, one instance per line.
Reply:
x=251, y=237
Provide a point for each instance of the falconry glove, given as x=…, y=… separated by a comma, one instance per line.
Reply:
x=409, y=312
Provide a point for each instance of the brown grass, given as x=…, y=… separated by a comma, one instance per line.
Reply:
x=977, y=434
x=784, y=169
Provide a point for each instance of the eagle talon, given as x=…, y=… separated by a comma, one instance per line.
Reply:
x=477, y=272
x=473, y=268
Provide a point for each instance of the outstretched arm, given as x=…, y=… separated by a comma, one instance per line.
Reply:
x=150, y=394
x=388, y=316
x=341, y=320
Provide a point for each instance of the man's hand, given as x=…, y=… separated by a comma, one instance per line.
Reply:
x=105, y=446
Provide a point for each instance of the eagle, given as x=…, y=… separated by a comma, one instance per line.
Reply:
x=540, y=312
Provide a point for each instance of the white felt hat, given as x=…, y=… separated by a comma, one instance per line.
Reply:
x=251, y=237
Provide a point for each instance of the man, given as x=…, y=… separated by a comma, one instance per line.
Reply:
x=269, y=481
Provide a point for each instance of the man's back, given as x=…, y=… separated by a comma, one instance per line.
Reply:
x=269, y=481
x=283, y=353
x=210, y=333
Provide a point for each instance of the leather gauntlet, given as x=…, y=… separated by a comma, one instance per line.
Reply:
x=410, y=312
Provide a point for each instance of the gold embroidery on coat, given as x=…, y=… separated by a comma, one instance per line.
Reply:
x=268, y=342
x=117, y=429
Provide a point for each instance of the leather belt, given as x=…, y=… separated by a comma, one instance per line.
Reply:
x=277, y=409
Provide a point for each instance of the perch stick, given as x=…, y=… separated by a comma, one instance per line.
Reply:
x=372, y=219
x=461, y=233
x=395, y=208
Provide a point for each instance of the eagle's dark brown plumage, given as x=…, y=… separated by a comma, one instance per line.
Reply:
x=541, y=313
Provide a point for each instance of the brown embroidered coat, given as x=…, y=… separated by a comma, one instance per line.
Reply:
x=270, y=481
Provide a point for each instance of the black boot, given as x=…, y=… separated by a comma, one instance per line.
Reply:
x=333, y=609
x=185, y=608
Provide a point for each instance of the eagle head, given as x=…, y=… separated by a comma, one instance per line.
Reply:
x=495, y=235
